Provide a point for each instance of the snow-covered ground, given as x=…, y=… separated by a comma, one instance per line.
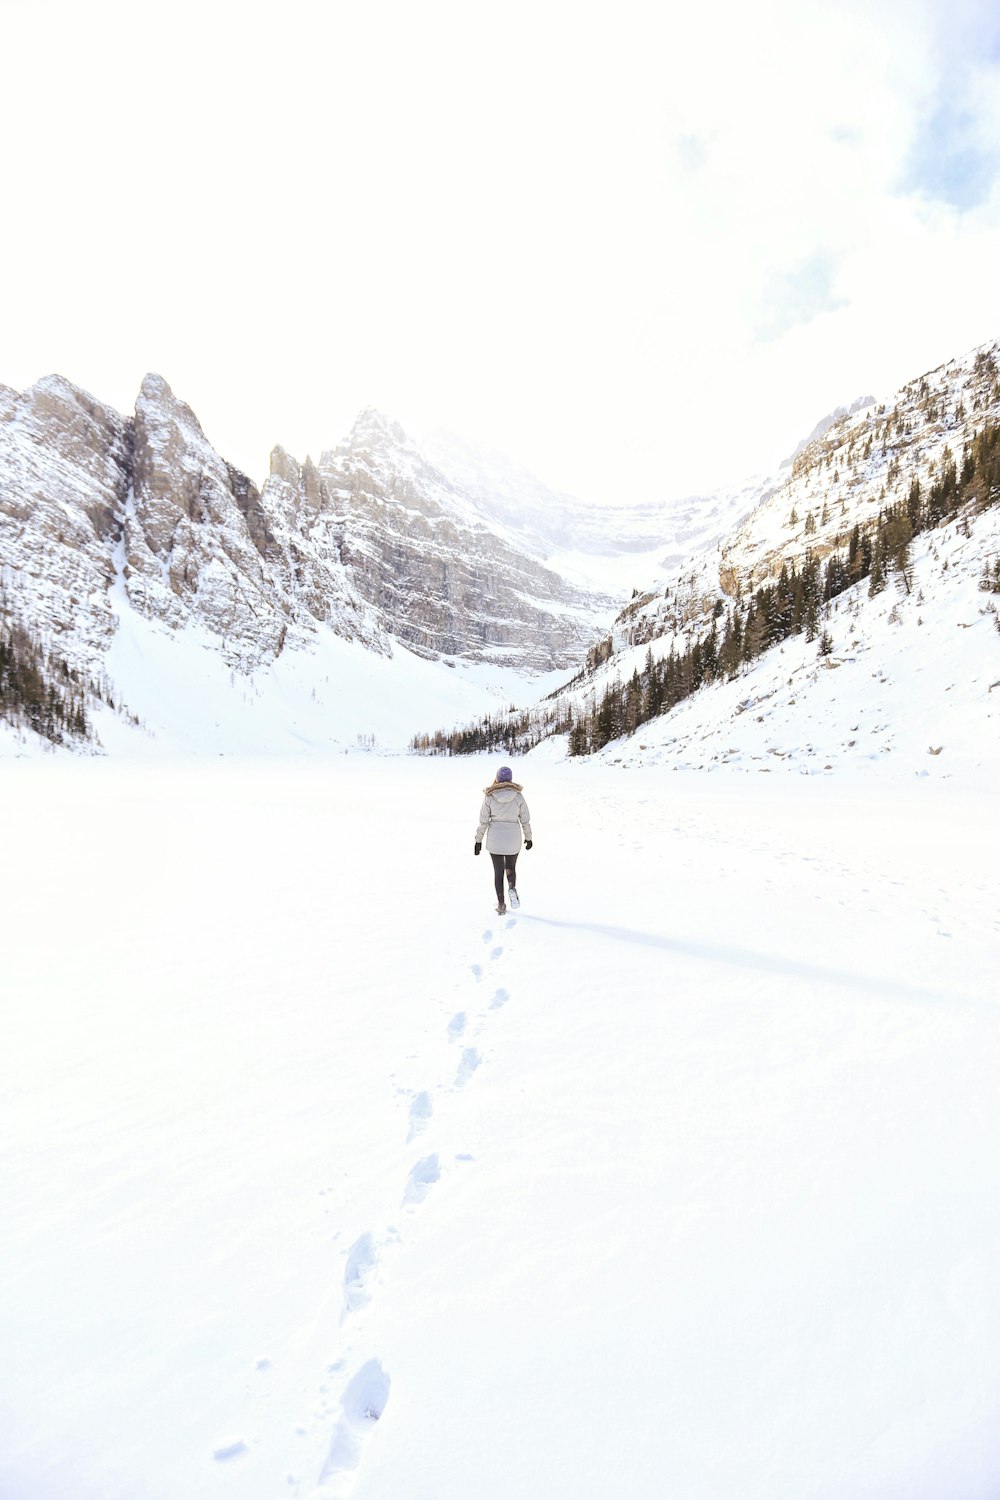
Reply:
x=319, y=1178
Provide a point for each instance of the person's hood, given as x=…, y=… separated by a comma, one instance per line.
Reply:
x=503, y=786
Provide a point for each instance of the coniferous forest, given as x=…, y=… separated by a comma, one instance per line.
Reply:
x=793, y=604
x=40, y=691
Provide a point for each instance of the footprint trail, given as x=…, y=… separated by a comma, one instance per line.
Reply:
x=369, y=1258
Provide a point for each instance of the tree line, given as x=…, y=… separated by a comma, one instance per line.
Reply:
x=515, y=732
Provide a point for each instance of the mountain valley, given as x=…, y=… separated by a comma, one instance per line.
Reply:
x=396, y=590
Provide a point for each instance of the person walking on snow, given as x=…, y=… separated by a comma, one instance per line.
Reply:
x=501, y=818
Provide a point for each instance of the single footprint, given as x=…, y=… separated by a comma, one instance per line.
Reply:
x=457, y=1025
x=230, y=1448
x=421, y=1179
x=470, y=1062
x=420, y=1112
x=362, y=1262
x=477, y=970
x=496, y=953
x=500, y=998
x=362, y=1404
x=488, y=935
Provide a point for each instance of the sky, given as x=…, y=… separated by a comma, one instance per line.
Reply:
x=641, y=249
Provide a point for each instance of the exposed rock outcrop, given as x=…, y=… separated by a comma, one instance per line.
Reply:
x=196, y=536
x=65, y=472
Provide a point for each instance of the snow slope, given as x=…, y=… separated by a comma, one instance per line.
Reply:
x=319, y=1179
x=913, y=681
x=337, y=696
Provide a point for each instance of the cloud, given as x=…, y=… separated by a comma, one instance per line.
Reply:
x=796, y=296
x=947, y=162
x=954, y=153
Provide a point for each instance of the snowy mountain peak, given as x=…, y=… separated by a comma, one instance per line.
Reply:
x=157, y=405
x=53, y=386
x=155, y=388
x=825, y=423
x=283, y=466
x=55, y=407
x=373, y=428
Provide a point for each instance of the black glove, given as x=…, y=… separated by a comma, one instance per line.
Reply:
x=477, y=848
x=527, y=843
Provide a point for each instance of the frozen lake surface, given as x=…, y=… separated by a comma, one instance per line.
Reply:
x=319, y=1178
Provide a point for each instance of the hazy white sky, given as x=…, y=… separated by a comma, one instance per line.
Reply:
x=642, y=248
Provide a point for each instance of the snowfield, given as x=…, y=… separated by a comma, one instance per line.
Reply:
x=321, y=1179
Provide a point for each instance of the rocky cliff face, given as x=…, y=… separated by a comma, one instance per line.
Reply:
x=197, y=543
x=417, y=551
x=99, y=511
x=65, y=472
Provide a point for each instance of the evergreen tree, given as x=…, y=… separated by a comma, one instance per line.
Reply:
x=897, y=534
x=877, y=570
x=914, y=506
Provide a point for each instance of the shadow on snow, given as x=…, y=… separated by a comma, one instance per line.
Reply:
x=766, y=963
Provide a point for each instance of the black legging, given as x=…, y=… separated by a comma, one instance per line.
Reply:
x=503, y=862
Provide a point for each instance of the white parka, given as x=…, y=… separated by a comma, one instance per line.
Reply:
x=503, y=815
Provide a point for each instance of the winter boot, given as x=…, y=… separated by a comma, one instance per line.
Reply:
x=501, y=910
x=512, y=897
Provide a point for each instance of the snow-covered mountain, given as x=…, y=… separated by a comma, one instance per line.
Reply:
x=872, y=562
x=139, y=565
x=861, y=464
x=865, y=461
x=394, y=586
x=911, y=683
x=123, y=529
x=421, y=554
x=371, y=542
